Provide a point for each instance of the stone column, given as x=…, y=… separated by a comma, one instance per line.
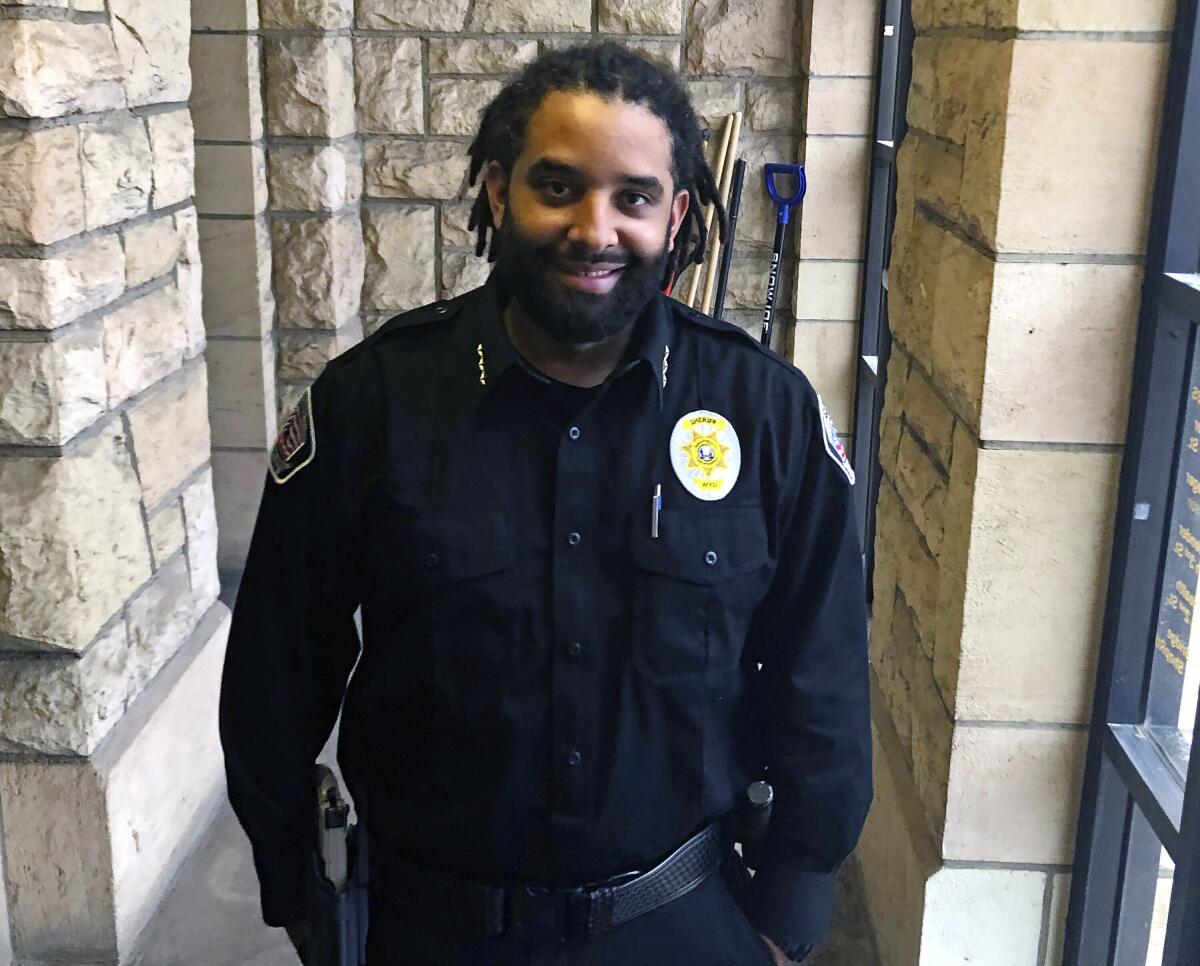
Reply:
x=109, y=621
x=1024, y=189
x=838, y=57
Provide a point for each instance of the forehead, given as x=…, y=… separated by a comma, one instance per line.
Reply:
x=594, y=133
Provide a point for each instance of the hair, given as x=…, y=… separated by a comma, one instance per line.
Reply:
x=610, y=71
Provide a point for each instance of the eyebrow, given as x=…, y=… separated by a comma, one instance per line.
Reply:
x=545, y=166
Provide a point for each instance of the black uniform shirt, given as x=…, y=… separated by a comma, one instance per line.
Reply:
x=549, y=692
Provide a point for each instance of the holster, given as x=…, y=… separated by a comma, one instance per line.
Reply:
x=337, y=907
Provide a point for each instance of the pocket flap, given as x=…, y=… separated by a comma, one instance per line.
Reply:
x=458, y=545
x=703, y=545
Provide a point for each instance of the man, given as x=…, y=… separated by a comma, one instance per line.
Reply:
x=608, y=572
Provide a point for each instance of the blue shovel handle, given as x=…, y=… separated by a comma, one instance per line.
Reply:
x=785, y=204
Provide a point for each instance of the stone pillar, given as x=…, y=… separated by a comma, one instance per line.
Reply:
x=838, y=57
x=1024, y=189
x=108, y=584
x=231, y=196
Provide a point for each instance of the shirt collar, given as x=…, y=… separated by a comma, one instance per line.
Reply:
x=650, y=343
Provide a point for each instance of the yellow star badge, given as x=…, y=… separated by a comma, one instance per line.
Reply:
x=706, y=454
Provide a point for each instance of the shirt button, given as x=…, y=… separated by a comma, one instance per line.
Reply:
x=573, y=432
x=710, y=558
x=574, y=758
x=574, y=649
x=573, y=539
x=431, y=561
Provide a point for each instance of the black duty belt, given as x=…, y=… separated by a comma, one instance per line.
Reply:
x=540, y=914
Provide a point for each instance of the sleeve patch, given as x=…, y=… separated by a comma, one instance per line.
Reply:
x=296, y=445
x=833, y=444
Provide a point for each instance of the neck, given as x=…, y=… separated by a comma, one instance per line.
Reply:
x=586, y=365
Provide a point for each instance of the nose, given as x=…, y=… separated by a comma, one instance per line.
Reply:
x=593, y=224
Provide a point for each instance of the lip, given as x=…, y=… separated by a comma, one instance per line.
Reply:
x=599, y=279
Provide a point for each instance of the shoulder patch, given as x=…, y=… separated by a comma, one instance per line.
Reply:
x=296, y=445
x=833, y=444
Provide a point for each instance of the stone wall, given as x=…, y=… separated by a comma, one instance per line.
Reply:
x=1024, y=189
x=331, y=153
x=110, y=629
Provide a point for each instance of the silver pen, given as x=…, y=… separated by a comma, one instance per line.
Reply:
x=655, y=507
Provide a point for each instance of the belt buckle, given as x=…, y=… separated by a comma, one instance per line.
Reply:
x=536, y=914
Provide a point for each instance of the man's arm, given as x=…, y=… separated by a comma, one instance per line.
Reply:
x=810, y=634
x=292, y=645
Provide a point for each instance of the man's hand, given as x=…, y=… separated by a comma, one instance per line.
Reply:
x=297, y=932
x=780, y=958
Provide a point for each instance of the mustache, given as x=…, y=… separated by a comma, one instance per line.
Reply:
x=581, y=255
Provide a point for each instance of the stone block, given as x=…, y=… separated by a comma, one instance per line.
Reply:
x=315, y=177
x=455, y=104
x=953, y=564
x=827, y=352
x=226, y=101
x=241, y=407
x=387, y=74
x=713, y=101
x=49, y=391
x=318, y=270
x=742, y=37
x=170, y=433
x=1014, y=795
x=200, y=523
x=773, y=108
x=838, y=105
x=1060, y=352
x=304, y=354
x=462, y=272
x=151, y=250
x=832, y=222
x=479, y=56
x=959, y=88
x=44, y=293
x=117, y=172
x=442, y=15
x=1078, y=129
x=936, y=173
x=225, y=15
x=167, y=536
x=400, y=258
x=665, y=53
x=927, y=417
x=415, y=169
x=238, y=479
x=898, y=374
x=921, y=485
x=41, y=185
x=917, y=571
x=1048, y=15
x=189, y=274
x=913, y=284
x=152, y=40
x=530, y=16
x=307, y=14
x=310, y=87
x=72, y=542
x=985, y=917
x=173, y=142
x=634, y=17
x=1040, y=538
x=237, y=276
x=962, y=300
x=116, y=837
x=231, y=179
x=838, y=38
x=144, y=341
x=454, y=220
x=49, y=68
x=827, y=290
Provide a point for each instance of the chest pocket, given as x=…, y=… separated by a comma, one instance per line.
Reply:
x=466, y=560
x=695, y=589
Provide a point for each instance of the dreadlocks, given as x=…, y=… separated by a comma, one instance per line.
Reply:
x=611, y=71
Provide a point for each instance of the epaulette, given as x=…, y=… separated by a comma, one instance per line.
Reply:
x=439, y=311
x=730, y=331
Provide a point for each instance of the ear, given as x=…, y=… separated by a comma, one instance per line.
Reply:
x=679, y=207
x=495, y=179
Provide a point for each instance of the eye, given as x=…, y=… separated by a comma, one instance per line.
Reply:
x=635, y=199
x=556, y=189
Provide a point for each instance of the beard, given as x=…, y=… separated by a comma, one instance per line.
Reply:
x=529, y=272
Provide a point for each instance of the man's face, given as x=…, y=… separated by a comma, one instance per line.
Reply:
x=588, y=215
